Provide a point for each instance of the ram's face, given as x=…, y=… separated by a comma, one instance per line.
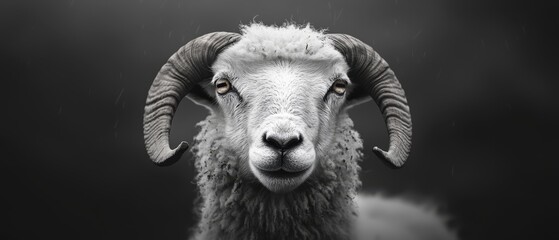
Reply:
x=282, y=111
x=277, y=92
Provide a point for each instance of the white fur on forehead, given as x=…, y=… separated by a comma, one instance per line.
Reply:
x=259, y=41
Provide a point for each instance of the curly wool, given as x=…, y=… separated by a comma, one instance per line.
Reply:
x=233, y=207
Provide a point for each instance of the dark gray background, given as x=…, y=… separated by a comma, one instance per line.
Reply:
x=479, y=76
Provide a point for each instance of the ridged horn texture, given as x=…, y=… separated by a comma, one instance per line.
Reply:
x=368, y=69
x=188, y=66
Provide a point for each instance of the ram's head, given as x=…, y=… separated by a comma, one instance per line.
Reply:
x=279, y=92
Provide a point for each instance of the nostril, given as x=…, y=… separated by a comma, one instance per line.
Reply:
x=293, y=142
x=271, y=141
x=282, y=143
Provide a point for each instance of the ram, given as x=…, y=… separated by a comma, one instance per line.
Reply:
x=277, y=158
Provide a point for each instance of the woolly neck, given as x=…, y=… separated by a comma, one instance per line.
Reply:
x=238, y=207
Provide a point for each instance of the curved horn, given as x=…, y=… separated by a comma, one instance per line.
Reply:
x=189, y=65
x=370, y=70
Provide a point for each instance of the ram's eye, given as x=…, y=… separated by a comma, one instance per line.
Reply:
x=222, y=86
x=339, y=86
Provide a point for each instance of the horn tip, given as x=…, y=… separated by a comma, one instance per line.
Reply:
x=172, y=156
x=388, y=158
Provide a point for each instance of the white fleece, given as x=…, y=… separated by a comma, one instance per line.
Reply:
x=384, y=218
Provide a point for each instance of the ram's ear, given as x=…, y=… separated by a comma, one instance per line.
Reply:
x=356, y=95
x=202, y=96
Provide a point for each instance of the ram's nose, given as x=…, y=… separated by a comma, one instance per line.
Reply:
x=286, y=151
x=282, y=142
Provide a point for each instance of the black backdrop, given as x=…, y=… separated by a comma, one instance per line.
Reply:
x=479, y=76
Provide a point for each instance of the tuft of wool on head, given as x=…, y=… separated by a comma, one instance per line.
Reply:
x=289, y=41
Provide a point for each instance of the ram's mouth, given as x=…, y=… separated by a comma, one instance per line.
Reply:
x=282, y=181
x=282, y=174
